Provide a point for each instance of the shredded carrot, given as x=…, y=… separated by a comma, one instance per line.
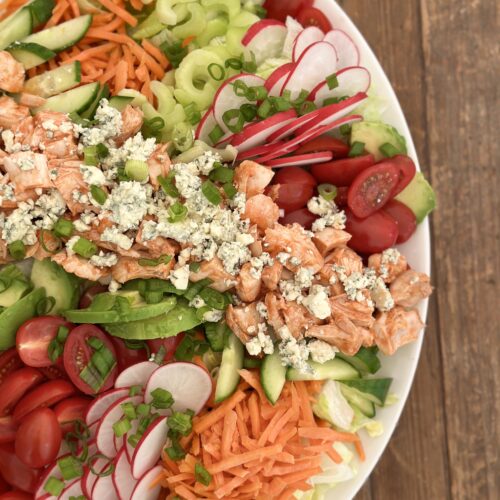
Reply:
x=75, y=8
x=326, y=434
x=188, y=40
x=254, y=415
x=155, y=52
x=119, y=11
x=360, y=450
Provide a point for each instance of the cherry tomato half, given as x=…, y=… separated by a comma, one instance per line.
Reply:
x=33, y=339
x=44, y=395
x=372, y=189
x=341, y=198
x=342, y=172
x=54, y=372
x=404, y=217
x=9, y=362
x=89, y=294
x=15, y=495
x=278, y=9
x=126, y=356
x=15, y=472
x=325, y=143
x=8, y=429
x=407, y=171
x=77, y=355
x=294, y=196
x=15, y=386
x=294, y=175
x=4, y=486
x=170, y=345
x=309, y=16
x=373, y=234
x=301, y=216
x=70, y=410
x=38, y=438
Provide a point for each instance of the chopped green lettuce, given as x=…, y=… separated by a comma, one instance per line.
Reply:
x=333, y=407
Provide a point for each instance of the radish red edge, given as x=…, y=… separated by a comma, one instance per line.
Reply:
x=99, y=407
x=305, y=159
x=256, y=28
x=137, y=374
x=143, y=490
x=122, y=476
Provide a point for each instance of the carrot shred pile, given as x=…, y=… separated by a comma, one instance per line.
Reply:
x=253, y=449
x=107, y=53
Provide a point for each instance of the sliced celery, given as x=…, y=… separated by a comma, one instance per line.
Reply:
x=195, y=24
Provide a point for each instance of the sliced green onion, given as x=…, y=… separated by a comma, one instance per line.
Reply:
x=281, y=103
x=331, y=100
x=79, y=497
x=153, y=297
x=17, y=250
x=92, y=378
x=177, y=212
x=104, y=361
x=327, y=191
x=45, y=305
x=202, y=475
x=265, y=109
x=102, y=150
x=135, y=390
x=85, y=248
x=143, y=410
x=82, y=430
x=216, y=334
x=181, y=422
x=233, y=120
x=104, y=472
x=153, y=127
x=216, y=134
x=194, y=267
x=137, y=170
x=304, y=94
x=216, y=71
x=307, y=107
x=357, y=149
x=240, y=88
x=134, y=439
x=200, y=312
x=230, y=190
x=260, y=11
x=62, y=334
x=249, y=112
x=95, y=343
x=121, y=427
x=98, y=194
x=213, y=298
x=345, y=129
x=332, y=81
x=211, y=193
x=162, y=399
x=221, y=174
x=182, y=136
x=185, y=350
x=164, y=259
x=70, y=467
x=122, y=305
x=90, y=156
x=54, y=486
x=41, y=239
x=258, y=93
x=168, y=185
x=195, y=288
x=55, y=350
x=234, y=63
x=175, y=452
x=76, y=118
x=250, y=66
x=175, y=52
x=160, y=355
x=63, y=228
x=193, y=115
x=388, y=150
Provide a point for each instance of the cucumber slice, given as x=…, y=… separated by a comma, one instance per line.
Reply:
x=74, y=100
x=273, y=376
x=30, y=54
x=216, y=334
x=41, y=11
x=15, y=292
x=366, y=360
x=90, y=6
x=63, y=35
x=354, y=398
x=89, y=112
x=232, y=362
x=151, y=26
x=250, y=363
x=120, y=102
x=335, y=369
x=17, y=26
x=55, y=81
x=374, y=389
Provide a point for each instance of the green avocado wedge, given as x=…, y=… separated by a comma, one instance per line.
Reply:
x=179, y=319
x=14, y=316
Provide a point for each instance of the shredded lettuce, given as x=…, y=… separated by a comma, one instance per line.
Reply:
x=374, y=428
x=269, y=65
x=374, y=107
x=333, y=407
x=294, y=29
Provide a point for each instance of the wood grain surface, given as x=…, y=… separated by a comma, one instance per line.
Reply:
x=442, y=57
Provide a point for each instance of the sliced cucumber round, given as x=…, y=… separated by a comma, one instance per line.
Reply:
x=373, y=389
x=74, y=100
x=15, y=27
x=55, y=81
x=365, y=360
x=273, y=376
x=354, y=398
x=120, y=102
x=31, y=54
x=232, y=362
x=335, y=369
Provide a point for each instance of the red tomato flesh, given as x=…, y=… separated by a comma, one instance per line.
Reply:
x=372, y=234
x=407, y=171
x=15, y=386
x=278, y=9
x=341, y=198
x=33, y=339
x=70, y=410
x=372, y=189
x=294, y=196
x=170, y=345
x=38, y=438
x=8, y=429
x=309, y=16
x=294, y=175
x=127, y=357
x=15, y=472
x=44, y=395
x=342, y=172
x=301, y=216
x=54, y=372
x=77, y=355
x=9, y=362
x=16, y=495
x=404, y=217
x=325, y=143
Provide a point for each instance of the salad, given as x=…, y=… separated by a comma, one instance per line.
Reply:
x=199, y=211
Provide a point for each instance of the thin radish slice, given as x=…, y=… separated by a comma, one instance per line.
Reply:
x=306, y=38
x=73, y=490
x=298, y=160
x=256, y=134
x=137, y=374
x=258, y=151
x=333, y=112
x=129, y=449
x=104, y=489
x=277, y=79
x=226, y=99
x=225, y=140
x=189, y=384
x=347, y=52
x=52, y=471
x=99, y=406
x=89, y=478
x=122, y=476
x=265, y=39
x=105, y=434
x=350, y=81
x=290, y=128
x=148, y=449
x=143, y=490
x=205, y=127
x=93, y=429
x=316, y=63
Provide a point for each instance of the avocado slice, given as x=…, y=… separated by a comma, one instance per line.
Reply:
x=179, y=319
x=376, y=134
x=419, y=197
x=14, y=316
x=63, y=286
x=16, y=290
x=11, y=271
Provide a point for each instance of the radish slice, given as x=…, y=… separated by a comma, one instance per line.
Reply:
x=89, y=478
x=189, y=384
x=257, y=133
x=137, y=374
x=93, y=429
x=333, y=112
x=52, y=471
x=104, y=489
x=306, y=38
x=143, y=490
x=105, y=434
x=296, y=161
x=226, y=99
x=148, y=449
x=277, y=79
x=99, y=407
x=205, y=127
x=258, y=151
x=350, y=81
x=225, y=140
x=129, y=449
x=122, y=477
x=265, y=39
x=73, y=490
x=347, y=52
x=316, y=63
x=290, y=128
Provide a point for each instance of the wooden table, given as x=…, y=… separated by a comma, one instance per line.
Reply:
x=442, y=57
